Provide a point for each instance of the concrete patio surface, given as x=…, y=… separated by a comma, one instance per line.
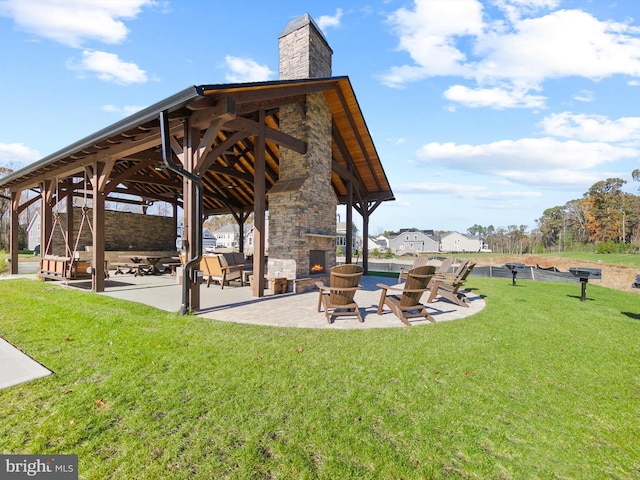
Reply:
x=297, y=310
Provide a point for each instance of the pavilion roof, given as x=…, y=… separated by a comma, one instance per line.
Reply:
x=133, y=146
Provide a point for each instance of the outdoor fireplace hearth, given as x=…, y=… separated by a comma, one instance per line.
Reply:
x=317, y=262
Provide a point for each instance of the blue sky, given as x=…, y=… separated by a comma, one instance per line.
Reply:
x=483, y=112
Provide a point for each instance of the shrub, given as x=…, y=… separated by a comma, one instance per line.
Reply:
x=4, y=264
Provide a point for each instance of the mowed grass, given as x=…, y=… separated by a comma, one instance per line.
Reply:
x=537, y=385
x=629, y=259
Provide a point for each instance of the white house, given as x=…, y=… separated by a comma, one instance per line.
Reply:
x=454, y=242
x=228, y=236
x=33, y=232
x=341, y=237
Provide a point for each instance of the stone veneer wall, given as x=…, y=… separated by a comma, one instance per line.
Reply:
x=123, y=231
x=303, y=219
x=304, y=52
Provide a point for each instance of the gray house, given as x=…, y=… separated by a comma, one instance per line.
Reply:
x=414, y=241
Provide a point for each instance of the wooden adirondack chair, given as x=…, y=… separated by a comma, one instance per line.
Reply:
x=337, y=298
x=448, y=287
x=443, y=268
x=406, y=304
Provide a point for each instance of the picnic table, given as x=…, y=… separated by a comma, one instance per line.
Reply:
x=145, y=264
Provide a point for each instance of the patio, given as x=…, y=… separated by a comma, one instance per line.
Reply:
x=298, y=310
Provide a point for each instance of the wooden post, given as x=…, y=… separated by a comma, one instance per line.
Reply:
x=46, y=215
x=98, y=228
x=71, y=234
x=191, y=142
x=259, y=202
x=13, y=236
x=349, y=222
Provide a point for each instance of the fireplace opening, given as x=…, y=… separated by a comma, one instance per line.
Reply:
x=317, y=262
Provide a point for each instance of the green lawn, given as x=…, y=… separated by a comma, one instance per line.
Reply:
x=537, y=385
x=629, y=259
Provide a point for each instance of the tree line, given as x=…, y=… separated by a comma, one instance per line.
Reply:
x=605, y=219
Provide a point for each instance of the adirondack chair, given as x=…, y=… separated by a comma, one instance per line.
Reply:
x=419, y=261
x=337, y=298
x=406, y=303
x=448, y=286
x=442, y=268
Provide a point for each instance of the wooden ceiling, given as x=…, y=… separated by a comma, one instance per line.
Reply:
x=132, y=147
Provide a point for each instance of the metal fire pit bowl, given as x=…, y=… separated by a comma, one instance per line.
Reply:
x=515, y=268
x=584, y=274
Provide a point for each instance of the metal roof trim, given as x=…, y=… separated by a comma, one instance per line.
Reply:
x=146, y=114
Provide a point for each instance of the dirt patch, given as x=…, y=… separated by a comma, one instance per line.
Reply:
x=619, y=277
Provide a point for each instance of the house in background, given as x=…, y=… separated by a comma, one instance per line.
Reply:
x=33, y=232
x=228, y=236
x=341, y=237
x=414, y=241
x=454, y=242
x=380, y=242
x=209, y=241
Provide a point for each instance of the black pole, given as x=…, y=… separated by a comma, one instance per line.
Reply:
x=197, y=216
x=583, y=281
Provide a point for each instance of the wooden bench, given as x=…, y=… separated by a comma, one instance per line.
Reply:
x=54, y=267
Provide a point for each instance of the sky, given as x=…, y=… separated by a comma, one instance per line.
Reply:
x=483, y=112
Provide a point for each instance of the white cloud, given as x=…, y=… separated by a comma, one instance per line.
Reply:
x=246, y=70
x=496, y=97
x=108, y=67
x=429, y=35
x=328, y=21
x=72, y=22
x=124, y=110
x=531, y=161
x=592, y=127
x=514, y=9
x=584, y=95
x=463, y=191
x=561, y=44
x=522, y=49
x=12, y=154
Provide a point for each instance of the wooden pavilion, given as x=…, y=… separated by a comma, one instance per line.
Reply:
x=189, y=149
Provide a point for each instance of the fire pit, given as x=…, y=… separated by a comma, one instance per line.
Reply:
x=515, y=268
x=584, y=274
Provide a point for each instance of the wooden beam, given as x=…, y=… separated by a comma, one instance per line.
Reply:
x=218, y=150
x=276, y=136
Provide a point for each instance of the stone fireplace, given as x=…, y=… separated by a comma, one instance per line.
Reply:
x=318, y=262
x=302, y=204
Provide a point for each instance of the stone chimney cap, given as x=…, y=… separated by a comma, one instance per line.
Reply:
x=302, y=21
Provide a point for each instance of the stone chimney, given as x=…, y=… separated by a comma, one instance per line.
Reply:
x=302, y=204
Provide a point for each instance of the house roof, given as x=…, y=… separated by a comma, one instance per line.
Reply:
x=132, y=147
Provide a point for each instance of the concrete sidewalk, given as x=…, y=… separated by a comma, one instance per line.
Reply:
x=16, y=367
